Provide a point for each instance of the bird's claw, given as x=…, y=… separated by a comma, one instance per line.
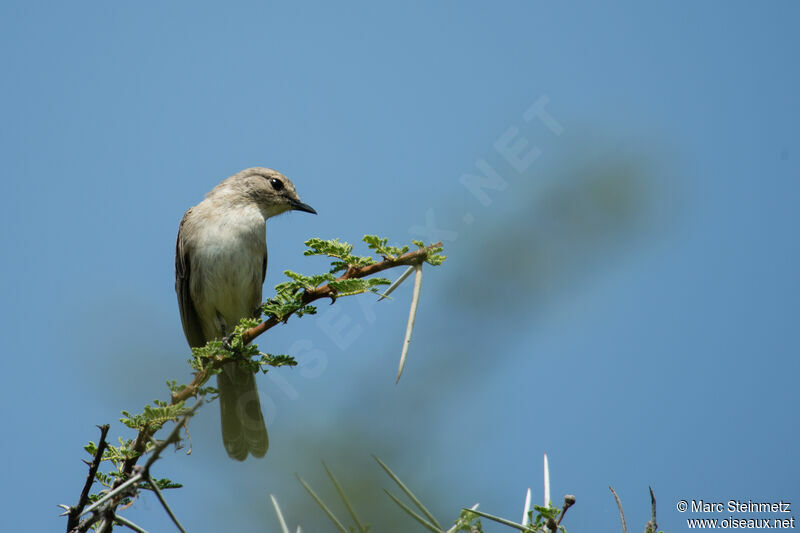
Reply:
x=226, y=342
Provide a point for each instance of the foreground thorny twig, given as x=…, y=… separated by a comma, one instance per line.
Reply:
x=103, y=509
x=75, y=512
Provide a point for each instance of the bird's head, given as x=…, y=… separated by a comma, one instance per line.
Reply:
x=273, y=192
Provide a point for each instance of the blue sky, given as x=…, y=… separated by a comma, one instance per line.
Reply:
x=626, y=303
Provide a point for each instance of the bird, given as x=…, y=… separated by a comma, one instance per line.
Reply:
x=220, y=267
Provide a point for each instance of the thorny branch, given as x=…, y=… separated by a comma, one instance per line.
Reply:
x=103, y=508
x=413, y=258
x=77, y=511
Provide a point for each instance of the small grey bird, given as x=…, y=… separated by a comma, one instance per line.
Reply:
x=220, y=265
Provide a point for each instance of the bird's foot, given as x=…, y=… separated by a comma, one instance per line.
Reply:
x=226, y=342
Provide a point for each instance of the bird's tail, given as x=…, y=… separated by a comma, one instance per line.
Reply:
x=243, y=428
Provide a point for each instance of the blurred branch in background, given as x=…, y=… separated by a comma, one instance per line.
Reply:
x=558, y=231
x=542, y=519
x=555, y=233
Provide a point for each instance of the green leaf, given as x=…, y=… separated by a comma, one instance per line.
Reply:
x=162, y=484
x=153, y=418
x=267, y=360
x=469, y=522
x=347, y=287
x=338, y=250
x=331, y=248
x=381, y=247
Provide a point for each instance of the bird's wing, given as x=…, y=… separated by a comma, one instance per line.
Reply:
x=257, y=294
x=191, y=322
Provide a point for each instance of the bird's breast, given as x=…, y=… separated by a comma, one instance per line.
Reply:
x=226, y=270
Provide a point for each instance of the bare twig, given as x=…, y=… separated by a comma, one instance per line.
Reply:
x=569, y=501
x=104, y=507
x=621, y=513
x=76, y=512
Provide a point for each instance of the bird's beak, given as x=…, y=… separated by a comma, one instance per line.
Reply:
x=297, y=205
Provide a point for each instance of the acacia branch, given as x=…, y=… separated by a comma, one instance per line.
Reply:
x=417, y=257
x=104, y=508
x=413, y=258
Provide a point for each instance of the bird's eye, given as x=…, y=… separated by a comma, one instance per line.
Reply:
x=276, y=184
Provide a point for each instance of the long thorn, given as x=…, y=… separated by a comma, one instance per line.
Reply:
x=527, y=507
x=453, y=529
x=408, y=493
x=546, y=482
x=415, y=516
x=164, y=504
x=135, y=479
x=347, y=504
x=412, y=315
x=323, y=506
x=397, y=283
x=127, y=523
x=503, y=521
x=284, y=528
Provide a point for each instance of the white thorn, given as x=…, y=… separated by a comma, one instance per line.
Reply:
x=526, y=508
x=546, y=482
x=397, y=283
x=412, y=315
x=452, y=529
x=284, y=529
